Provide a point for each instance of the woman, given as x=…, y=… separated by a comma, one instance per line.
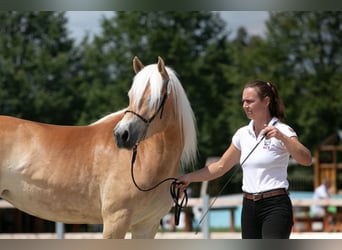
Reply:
x=267, y=208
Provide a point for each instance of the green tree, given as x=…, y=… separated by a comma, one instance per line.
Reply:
x=309, y=72
x=37, y=67
x=249, y=62
x=301, y=54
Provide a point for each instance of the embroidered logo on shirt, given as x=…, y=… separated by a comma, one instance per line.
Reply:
x=267, y=144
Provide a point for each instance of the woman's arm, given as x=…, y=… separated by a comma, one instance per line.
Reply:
x=230, y=157
x=297, y=150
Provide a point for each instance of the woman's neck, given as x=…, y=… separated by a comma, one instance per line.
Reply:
x=260, y=125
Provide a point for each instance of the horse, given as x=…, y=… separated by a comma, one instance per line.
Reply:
x=81, y=174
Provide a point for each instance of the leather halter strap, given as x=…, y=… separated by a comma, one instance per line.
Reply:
x=160, y=108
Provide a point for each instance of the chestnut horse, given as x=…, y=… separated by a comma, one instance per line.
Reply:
x=81, y=174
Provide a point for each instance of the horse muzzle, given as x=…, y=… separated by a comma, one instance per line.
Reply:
x=128, y=135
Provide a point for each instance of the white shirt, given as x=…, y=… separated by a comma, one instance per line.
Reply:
x=266, y=167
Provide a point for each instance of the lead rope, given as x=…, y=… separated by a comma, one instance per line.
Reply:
x=179, y=204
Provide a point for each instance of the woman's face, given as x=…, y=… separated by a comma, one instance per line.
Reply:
x=252, y=104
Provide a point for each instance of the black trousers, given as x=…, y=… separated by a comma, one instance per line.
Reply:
x=270, y=218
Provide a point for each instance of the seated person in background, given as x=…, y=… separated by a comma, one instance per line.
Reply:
x=321, y=192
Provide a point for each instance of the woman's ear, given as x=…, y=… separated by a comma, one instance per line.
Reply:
x=267, y=101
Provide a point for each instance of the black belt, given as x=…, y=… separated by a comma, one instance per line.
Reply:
x=264, y=195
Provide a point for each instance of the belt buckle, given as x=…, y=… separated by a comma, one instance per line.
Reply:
x=257, y=196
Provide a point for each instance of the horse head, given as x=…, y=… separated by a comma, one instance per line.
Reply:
x=147, y=96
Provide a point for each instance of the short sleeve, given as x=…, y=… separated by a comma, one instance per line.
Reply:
x=236, y=139
x=287, y=130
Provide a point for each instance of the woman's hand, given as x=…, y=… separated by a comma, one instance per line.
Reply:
x=183, y=182
x=272, y=131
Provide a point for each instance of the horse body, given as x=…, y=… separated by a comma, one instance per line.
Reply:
x=81, y=174
x=53, y=171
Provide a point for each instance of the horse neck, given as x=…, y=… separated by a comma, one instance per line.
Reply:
x=162, y=152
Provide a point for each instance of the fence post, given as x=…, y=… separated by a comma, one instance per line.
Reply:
x=59, y=230
x=205, y=222
x=206, y=200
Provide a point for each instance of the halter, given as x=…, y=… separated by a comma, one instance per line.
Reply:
x=160, y=108
x=174, y=191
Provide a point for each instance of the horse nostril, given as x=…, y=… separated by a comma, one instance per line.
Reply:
x=124, y=136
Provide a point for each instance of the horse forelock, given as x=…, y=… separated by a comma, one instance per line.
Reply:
x=150, y=76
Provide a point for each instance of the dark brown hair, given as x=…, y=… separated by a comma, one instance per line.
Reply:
x=265, y=89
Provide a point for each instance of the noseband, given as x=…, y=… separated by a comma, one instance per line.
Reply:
x=160, y=108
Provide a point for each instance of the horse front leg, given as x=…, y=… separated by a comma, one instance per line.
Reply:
x=116, y=225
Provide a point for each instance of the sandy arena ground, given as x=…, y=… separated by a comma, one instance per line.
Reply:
x=168, y=235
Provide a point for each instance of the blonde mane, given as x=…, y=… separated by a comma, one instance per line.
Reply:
x=186, y=118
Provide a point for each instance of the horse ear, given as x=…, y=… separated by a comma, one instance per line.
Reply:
x=137, y=65
x=161, y=68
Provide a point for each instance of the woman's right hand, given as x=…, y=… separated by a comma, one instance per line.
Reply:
x=182, y=182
